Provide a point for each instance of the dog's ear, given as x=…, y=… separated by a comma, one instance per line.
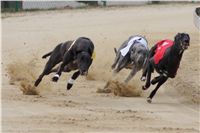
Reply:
x=188, y=36
x=132, y=49
x=177, y=37
x=90, y=51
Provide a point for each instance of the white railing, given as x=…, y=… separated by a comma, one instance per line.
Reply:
x=196, y=18
x=50, y=4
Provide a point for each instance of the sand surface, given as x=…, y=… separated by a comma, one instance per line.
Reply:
x=27, y=36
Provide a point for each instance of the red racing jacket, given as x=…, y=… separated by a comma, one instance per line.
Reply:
x=161, y=47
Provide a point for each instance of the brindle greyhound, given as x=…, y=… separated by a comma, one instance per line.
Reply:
x=73, y=55
x=132, y=54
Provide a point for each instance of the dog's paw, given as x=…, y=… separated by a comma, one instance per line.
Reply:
x=69, y=86
x=143, y=78
x=153, y=82
x=149, y=100
x=37, y=82
x=144, y=87
x=55, y=78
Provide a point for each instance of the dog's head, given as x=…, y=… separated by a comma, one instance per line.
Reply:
x=138, y=54
x=183, y=40
x=84, y=60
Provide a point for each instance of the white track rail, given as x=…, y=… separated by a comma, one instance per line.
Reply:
x=196, y=18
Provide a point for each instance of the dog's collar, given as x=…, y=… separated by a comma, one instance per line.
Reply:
x=72, y=44
x=181, y=51
x=93, y=55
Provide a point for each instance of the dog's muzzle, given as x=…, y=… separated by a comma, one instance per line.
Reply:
x=185, y=44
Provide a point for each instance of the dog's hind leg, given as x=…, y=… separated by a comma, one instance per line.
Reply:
x=47, y=70
x=149, y=71
x=145, y=69
x=144, y=73
x=161, y=81
x=72, y=79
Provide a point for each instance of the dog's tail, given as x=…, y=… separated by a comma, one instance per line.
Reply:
x=115, y=51
x=46, y=55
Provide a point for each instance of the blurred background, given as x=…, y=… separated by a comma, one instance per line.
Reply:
x=15, y=6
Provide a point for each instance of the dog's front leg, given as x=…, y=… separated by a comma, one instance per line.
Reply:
x=72, y=79
x=59, y=72
x=66, y=60
x=131, y=75
x=150, y=69
x=162, y=80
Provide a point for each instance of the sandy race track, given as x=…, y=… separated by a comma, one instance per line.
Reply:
x=27, y=36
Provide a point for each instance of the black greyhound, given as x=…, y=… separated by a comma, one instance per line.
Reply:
x=165, y=58
x=77, y=54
